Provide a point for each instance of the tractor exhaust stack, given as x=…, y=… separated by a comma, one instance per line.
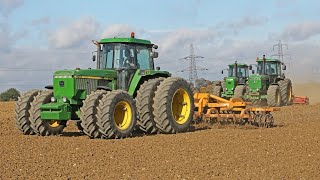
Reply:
x=98, y=52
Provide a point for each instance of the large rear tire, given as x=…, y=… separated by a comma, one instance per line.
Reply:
x=116, y=115
x=286, y=92
x=239, y=91
x=173, y=105
x=273, y=96
x=44, y=127
x=88, y=115
x=144, y=102
x=22, y=114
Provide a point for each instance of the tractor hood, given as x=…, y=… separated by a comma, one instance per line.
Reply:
x=82, y=73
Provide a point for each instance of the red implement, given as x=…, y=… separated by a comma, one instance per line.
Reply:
x=300, y=100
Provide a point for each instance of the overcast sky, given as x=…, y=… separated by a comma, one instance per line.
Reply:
x=38, y=37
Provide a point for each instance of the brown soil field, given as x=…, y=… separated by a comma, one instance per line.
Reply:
x=310, y=89
x=289, y=151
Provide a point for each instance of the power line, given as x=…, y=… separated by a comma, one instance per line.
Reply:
x=280, y=50
x=193, y=75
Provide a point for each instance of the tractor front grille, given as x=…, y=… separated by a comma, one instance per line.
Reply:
x=90, y=84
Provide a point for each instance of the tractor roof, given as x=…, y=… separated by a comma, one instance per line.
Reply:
x=268, y=60
x=239, y=65
x=125, y=40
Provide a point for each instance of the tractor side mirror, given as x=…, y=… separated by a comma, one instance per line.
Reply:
x=250, y=67
x=222, y=72
x=94, y=58
x=155, y=46
x=284, y=67
x=154, y=54
x=252, y=71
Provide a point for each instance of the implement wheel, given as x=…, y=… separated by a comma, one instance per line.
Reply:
x=273, y=96
x=173, y=106
x=144, y=103
x=88, y=115
x=116, y=115
x=44, y=127
x=22, y=114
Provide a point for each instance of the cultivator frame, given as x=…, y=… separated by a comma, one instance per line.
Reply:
x=214, y=109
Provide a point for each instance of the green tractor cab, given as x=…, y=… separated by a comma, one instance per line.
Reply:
x=270, y=84
x=234, y=85
x=123, y=92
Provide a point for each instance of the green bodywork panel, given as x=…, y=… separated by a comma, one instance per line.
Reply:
x=230, y=84
x=257, y=87
x=64, y=82
x=55, y=111
x=147, y=74
x=125, y=40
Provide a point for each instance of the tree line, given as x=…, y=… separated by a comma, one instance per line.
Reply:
x=11, y=94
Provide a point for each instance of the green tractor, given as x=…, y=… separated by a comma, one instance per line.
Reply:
x=124, y=92
x=270, y=86
x=233, y=86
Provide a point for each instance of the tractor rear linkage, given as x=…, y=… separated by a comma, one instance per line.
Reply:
x=214, y=109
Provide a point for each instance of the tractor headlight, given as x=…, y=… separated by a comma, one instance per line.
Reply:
x=257, y=90
x=53, y=99
x=64, y=99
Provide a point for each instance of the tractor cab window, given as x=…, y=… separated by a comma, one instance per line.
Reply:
x=272, y=68
x=118, y=56
x=143, y=57
x=241, y=71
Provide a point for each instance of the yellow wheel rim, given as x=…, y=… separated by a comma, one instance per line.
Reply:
x=290, y=94
x=181, y=105
x=54, y=123
x=122, y=115
x=278, y=97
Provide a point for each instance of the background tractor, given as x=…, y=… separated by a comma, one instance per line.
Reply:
x=234, y=85
x=270, y=83
x=107, y=102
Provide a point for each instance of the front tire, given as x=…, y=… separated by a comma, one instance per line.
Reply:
x=22, y=114
x=217, y=90
x=239, y=91
x=44, y=127
x=116, y=115
x=173, y=106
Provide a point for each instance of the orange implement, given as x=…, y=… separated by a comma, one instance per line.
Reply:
x=209, y=107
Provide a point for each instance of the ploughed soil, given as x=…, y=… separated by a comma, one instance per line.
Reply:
x=291, y=150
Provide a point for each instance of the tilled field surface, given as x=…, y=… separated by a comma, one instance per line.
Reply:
x=289, y=151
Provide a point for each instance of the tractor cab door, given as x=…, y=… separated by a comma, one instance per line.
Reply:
x=242, y=74
x=126, y=66
x=273, y=70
